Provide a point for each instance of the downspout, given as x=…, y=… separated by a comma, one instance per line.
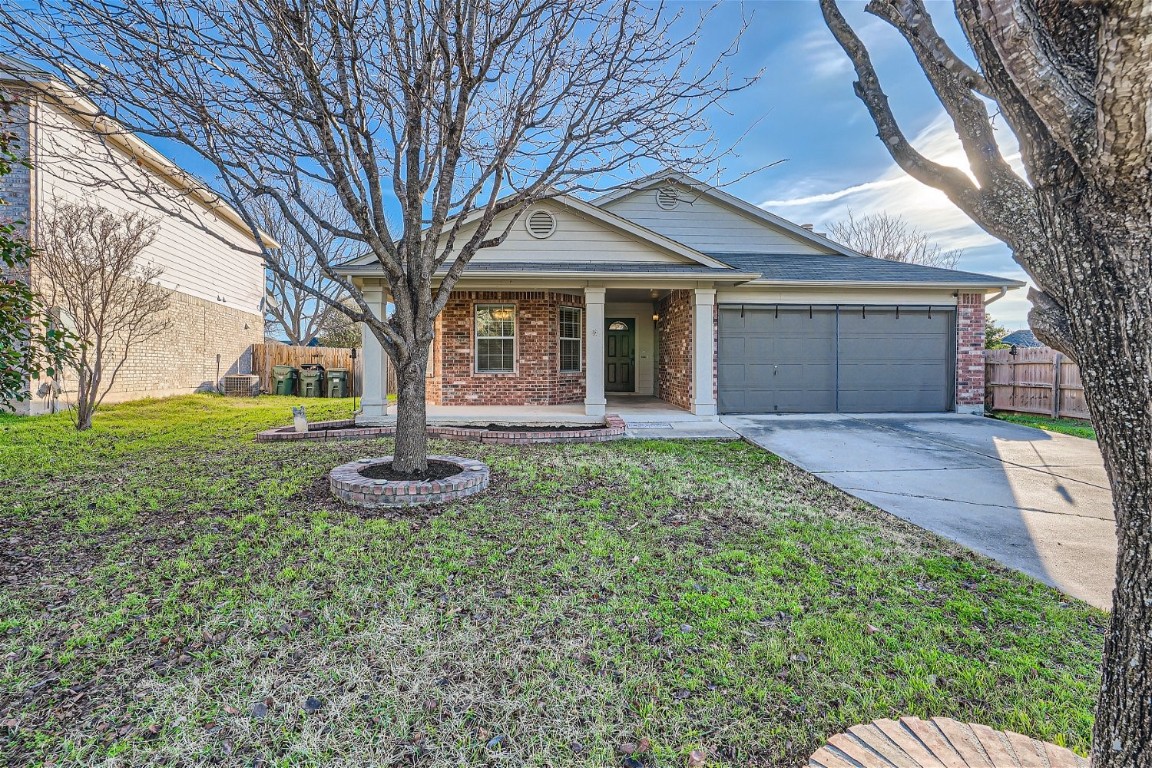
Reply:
x=997, y=297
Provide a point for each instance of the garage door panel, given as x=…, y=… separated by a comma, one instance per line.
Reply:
x=797, y=360
x=786, y=362
x=896, y=363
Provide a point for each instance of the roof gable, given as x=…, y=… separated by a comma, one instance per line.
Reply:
x=584, y=234
x=712, y=220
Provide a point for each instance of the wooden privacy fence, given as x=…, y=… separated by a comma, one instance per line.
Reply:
x=264, y=356
x=1034, y=380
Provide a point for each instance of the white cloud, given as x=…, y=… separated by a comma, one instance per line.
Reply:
x=823, y=57
x=896, y=192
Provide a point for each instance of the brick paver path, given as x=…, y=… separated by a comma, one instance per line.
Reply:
x=938, y=743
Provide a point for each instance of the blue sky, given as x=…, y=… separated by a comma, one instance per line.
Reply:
x=803, y=117
x=804, y=113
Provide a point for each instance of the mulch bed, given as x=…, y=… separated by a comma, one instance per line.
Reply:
x=437, y=470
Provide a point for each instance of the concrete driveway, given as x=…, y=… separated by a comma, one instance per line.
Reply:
x=1036, y=501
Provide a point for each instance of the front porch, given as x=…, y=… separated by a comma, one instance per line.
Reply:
x=571, y=353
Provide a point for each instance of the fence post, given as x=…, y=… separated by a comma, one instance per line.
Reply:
x=1012, y=397
x=1057, y=364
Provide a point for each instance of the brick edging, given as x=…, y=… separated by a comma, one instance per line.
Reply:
x=351, y=487
x=613, y=429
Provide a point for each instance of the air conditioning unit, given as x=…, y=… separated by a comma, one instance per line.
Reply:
x=241, y=385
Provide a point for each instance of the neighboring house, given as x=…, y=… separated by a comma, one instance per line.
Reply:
x=1023, y=339
x=210, y=260
x=672, y=288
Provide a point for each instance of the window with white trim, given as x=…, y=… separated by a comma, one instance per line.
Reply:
x=571, y=335
x=495, y=338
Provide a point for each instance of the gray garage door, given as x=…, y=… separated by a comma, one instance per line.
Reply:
x=829, y=359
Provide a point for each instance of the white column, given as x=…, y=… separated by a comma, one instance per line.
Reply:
x=594, y=400
x=704, y=343
x=374, y=401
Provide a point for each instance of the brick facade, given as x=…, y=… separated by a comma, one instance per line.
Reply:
x=182, y=359
x=970, y=352
x=674, y=374
x=537, y=380
x=16, y=194
x=16, y=186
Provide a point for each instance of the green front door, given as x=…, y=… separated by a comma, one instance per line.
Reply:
x=620, y=355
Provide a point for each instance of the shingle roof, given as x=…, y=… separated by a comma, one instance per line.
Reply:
x=1022, y=338
x=793, y=267
x=20, y=69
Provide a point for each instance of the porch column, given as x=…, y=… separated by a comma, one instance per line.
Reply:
x=704, y=347
x=594, y=401
x=374, y=400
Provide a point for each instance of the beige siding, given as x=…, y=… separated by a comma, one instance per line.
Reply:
x=577, y=239
x=201, y=255
x=837, y=295
x=645, y=341
x=708, y=225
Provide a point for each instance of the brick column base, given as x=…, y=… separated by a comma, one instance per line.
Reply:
x=970, y=353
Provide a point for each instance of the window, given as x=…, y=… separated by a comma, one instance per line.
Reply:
x=495, y=338
x=571, y=350
x=618, y=325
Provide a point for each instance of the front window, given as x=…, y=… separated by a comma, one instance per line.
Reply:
x=571, y=350
x=495, y=338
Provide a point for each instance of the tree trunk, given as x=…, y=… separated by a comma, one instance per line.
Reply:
x=411, y=453
x=1118, y=386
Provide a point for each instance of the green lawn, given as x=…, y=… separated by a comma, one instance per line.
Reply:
x=1074, y=427
x=176, y=594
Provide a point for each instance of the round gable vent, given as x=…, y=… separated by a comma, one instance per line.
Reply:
x=540, y=223
x=667, y=198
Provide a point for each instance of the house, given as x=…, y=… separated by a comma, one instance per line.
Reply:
x=671, y=288
x=210, y=260
x=1024, y=339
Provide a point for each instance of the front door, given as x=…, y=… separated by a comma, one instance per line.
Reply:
x=620, y=355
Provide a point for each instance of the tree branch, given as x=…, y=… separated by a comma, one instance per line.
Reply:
x=951, y=181
x=1023, y=47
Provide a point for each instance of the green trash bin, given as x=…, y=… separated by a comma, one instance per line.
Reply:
x=284, y=378
x=312, y=380
x=337, y=382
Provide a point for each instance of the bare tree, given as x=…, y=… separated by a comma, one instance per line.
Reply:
x=426, y=119
x=1073, y=81
x=889, y=236
x=89, y=266
x=295, y=311
x=337, y=330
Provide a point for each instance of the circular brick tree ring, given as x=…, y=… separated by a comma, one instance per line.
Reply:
x=349, y=485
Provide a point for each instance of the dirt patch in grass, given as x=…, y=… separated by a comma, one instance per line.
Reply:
x=189, y=597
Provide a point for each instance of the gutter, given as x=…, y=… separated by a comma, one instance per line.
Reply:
x=997, y=297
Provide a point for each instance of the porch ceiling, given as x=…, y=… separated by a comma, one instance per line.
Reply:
x=633, y=295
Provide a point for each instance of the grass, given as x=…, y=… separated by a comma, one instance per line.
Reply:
x=174, y=593
x=1074, y=427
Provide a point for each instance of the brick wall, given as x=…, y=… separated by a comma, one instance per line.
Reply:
x=16, y=194
x=182, y=358
x=537, y=379
x=674, y=373
x=970, y=352
x=16, y=187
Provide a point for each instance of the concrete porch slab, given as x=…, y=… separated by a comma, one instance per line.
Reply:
x=644, y=417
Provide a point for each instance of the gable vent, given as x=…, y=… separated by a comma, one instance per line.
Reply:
x=667, y=198
x=540, y=223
